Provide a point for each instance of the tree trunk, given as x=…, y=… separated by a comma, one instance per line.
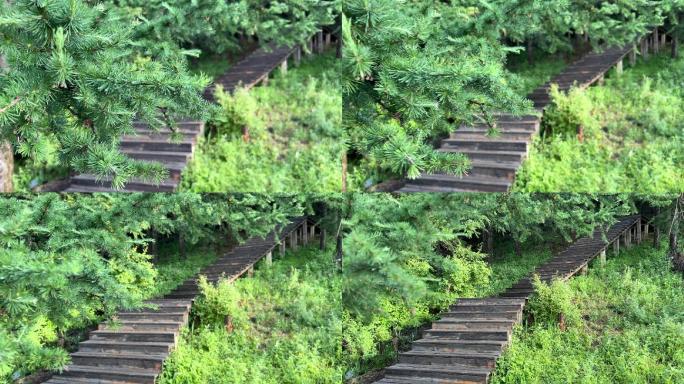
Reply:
x=6, y=168
x=344, y=172
x=6, y=156
x=675, y=47
x=490, y=243
x=518, y=248
x=181, y=246
x=338, y=251
x=530, y=52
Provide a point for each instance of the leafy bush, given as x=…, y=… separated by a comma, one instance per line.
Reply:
x=632, y=136
x=68, y=261
x=295, y=136
x=286, y=327
x=552, y=304
x=632, y=328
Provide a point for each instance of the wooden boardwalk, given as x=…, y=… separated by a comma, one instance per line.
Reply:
x=148, y=145
x=133, y=349
x=495, y=160
x=463, y=346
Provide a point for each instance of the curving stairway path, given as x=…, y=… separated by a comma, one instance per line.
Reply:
x=495, y=160
x=133, y=348
x=463, y=346
x=148, y=145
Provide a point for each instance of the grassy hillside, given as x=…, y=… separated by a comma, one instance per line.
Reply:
x=282, y=326
x=633, y=135
x=623, y=323
x=294, y=138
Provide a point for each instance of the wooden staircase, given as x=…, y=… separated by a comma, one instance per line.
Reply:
x=464, y=344
x=133, y=347
x=148, y=145
x=495, y=160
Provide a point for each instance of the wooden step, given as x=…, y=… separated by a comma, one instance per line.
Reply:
x=475, y=134
x=474, y=359
x=121, y=347
x=159, y=156
x=144, y=143
x=180, y=317
x=456, y=345
x=498, y=170
x=86, y=180
x=463, y=183
x=489, y=156
x=483, y=315
x=123, y=360
x=142, y=325
x=471, y=324
x=451, y=372
x=487, y=308
x=134, y=336
x=495, y=334
x=487, y=144
x=121, y=375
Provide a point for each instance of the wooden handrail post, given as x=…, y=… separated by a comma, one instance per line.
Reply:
x=616, y=246
x=283, y=67
x=602, y=257
x=305, y=233
x=282, y=248
x=619, y=67
x=269, y=258
x=322, y=239
x=298, y=55
x=656, y=41
x=319, y=43
x=632, y=57
x=639, y=234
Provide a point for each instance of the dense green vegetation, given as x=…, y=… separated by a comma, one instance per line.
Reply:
x=285, y=327
x=416, y=69
x=75, y=83
x=623, y=323
x=408, y=257
x=284, y=137
x=68, y=261
x=76, y=73
x=632, y=135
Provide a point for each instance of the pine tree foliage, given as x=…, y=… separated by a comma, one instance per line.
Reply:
x=415, y=70
x=67, y=261
x=399, y=246
x=74, y=80
x=216, y=26
x=410, y=73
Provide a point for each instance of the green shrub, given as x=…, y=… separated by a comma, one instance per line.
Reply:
x=295, y=138
x=631, y=327
x=633, y=135
x=286, y=327
x=552, y=304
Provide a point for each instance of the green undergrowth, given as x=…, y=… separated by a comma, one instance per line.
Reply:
x=633, y=135
x=622, y=323
x=525, y=77
x=30, y=173
x=294, y=138
x=211, y=65
x=508, y=268
x=173, y=268
x=281, y=326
